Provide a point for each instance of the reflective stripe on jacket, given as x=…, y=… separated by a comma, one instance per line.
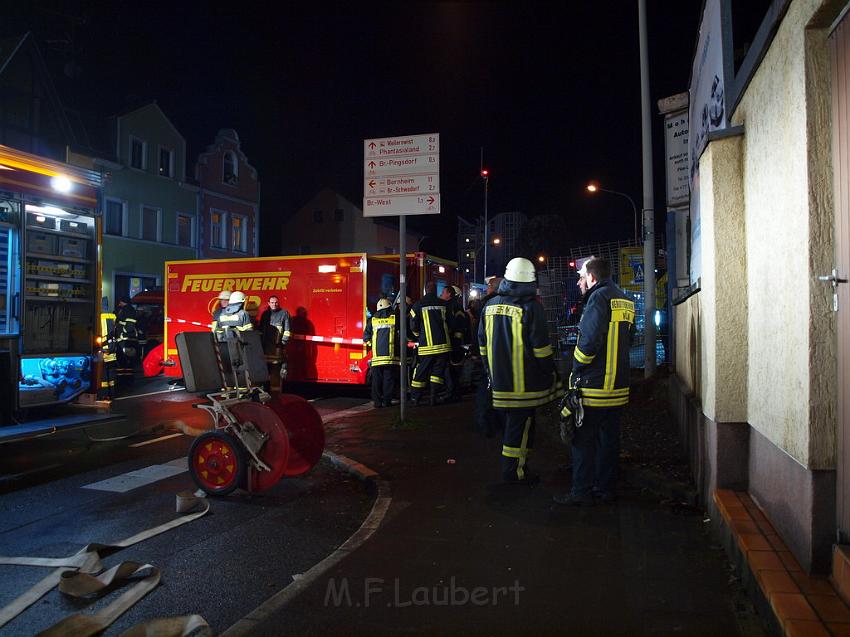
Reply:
x=235, y=318
x=216, y=328
x=382, y=333
x=274, y=325
x=601, y=357
x=428, y=324
x=514, y=343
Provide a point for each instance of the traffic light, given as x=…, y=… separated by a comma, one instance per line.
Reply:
x=485, y=173
x=572, y=264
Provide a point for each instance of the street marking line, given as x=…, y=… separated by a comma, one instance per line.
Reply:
x=160, y=439
x=182, y=462
x=153, y=393
x=360, y=409
x=140, y=477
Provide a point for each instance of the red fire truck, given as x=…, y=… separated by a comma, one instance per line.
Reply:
x=326, y=295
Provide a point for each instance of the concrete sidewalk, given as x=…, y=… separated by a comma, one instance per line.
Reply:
x=459, y=554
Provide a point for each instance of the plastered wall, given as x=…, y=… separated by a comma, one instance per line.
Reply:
x=724, y=295
x=688, y=344
x=787, y=198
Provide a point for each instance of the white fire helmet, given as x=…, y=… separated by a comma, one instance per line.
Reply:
x=236, y=297
x=383, y=304
x=520, y=270
x=224, y=295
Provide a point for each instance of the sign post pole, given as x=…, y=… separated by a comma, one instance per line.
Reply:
x=402, y=304
x=401, y=176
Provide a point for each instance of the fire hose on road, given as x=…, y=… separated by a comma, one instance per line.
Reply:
x=74, y=575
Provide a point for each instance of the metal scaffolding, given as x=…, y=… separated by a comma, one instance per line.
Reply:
x=561, y=298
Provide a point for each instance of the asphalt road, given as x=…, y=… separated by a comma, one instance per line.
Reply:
x=221, y=566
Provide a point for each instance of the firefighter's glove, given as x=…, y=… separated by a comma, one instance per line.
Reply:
x=571, y=406
x=567, y=426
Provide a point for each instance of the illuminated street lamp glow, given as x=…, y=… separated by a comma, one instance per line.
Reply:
x=60, y=183
x=496, y=241
x=541, y=258
x=592, y=187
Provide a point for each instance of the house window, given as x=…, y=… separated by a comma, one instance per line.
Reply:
x=138, y=152
x=184, y=230
x=150, y=224
x=230, y=174
x=217, y=229
x=166, y=162
x=238, y=233
x=114, y=221
x=317, y=216
x=339, y=215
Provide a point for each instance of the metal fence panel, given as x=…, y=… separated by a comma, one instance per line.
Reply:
x=561, y=298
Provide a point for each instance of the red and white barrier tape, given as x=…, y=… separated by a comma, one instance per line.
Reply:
x=297, y=337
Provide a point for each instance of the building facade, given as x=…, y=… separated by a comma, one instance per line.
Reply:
x=149, y=210
x=229, y=208
x=503, y=232
x=762, y=337
x=329, y=224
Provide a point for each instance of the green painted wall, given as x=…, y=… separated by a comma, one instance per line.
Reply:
x=137, y=188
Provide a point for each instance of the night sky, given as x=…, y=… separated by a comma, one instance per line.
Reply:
x=551, y=92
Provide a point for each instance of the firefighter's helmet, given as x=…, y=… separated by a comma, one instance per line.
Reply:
x=383, y=304
x=224, y=295
x=520, y=270
x=236, y=297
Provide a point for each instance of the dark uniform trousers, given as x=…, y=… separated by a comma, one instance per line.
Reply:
x=106, y=391
x=596, y=452
x=429, y=369
x=384, y=379
x=517, y=442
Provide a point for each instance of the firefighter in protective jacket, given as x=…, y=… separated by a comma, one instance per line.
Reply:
x=223, y=301
x=382, y=335
x=518, y=358
x=275, y=328
x=428, y=323
x=234, y=318
x=126, y=336
x=599, y=385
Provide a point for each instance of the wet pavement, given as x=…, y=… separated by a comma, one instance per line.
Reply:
x=457, y=553
x=460, y=554
x=220, y=566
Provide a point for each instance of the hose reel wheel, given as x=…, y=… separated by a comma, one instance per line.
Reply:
x=217, y=462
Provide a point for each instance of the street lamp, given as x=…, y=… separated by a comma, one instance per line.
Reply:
x=496, y=241
x=591, y=187
x=541, y=259
x=485, y=175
